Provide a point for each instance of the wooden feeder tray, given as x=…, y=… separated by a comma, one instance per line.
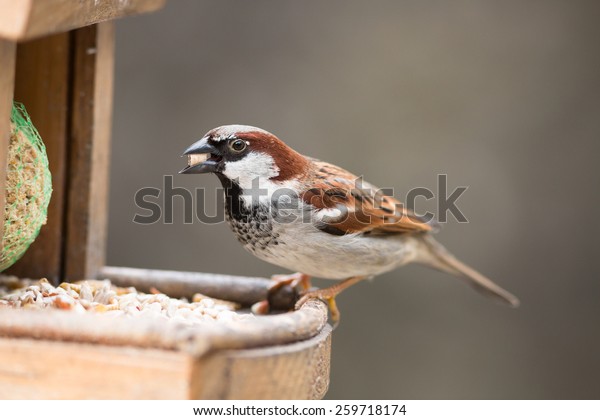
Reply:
x=52, y=354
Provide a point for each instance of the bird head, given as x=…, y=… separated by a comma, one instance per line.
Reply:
x=241, y=154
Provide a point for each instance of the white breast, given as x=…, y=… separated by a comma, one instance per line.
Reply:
x=304, y=248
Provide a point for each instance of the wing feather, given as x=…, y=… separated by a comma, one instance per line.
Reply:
x=345, y=205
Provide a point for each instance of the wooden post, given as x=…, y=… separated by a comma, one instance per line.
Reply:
x=66, y=83
x=42, y=84
x=89, y=147
x=7, y=80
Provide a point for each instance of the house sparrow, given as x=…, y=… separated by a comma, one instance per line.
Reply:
x=316, y=218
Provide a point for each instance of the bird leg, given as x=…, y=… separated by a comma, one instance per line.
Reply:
x=295, y=280
x=328, y=296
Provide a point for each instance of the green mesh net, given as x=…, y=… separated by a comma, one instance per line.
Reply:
x=28, y=188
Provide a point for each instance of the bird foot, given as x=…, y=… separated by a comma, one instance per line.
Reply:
x=325, y=296
x=328, y=296
x=295, y=280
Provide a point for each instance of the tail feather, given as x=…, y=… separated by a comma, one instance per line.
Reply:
x=438, y=257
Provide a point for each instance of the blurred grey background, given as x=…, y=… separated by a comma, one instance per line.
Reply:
x=502, y=96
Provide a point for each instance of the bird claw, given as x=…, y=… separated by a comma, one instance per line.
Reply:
x=326, y=295
x=295, y=280
x=327, y=298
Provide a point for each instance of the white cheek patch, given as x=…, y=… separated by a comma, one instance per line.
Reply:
x=254, y=165
x=197, y=159
x=253, y=174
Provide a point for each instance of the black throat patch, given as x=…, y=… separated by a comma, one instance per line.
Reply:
x=252, y=225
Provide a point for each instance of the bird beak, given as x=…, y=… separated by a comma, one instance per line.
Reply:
x=202, y=158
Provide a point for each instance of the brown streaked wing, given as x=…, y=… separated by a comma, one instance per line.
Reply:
x=363, y=208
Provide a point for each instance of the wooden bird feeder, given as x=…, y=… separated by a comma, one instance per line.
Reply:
x=57, y=59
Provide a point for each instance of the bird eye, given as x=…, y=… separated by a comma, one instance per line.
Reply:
x=237, y=145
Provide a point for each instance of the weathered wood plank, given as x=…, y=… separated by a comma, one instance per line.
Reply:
x=42, y=85
x=58, y=370
x=87, y=178
x=7, y=79
x=240, y=289
x=41, y=369
x=148, y=332
x=294, y=371
x=75, y=356
x=27, y=19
